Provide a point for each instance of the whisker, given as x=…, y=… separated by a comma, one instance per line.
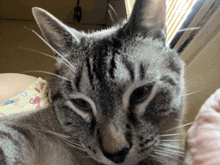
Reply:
x=171, y=146
x=177, y=134
x=187, y=94
x=51, y=47
x=42, y=129
x=187, y=29
x=32, y=50
x=112, y=9
x=72, y=145
x=180, y=120
x=45, y=54
x=178, y=140
x=173, y=151
x=154, y=156
x=163, y=154
x=40, y=71
x=54, y=133
x=111, y=14
x=157, y=157
x=63, y=138
x=180, y=126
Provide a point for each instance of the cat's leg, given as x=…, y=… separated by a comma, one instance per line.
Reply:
x=15, y=149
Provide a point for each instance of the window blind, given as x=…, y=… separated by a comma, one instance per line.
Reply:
x=176, y=13
x=129, y=6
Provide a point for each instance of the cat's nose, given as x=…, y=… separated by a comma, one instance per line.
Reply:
x=114, y=143
x=118, y=157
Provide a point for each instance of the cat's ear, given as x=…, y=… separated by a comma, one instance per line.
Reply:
x=57, y=34
x=148, y=16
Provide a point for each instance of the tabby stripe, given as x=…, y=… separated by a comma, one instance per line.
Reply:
x=57, y=72
x=89, y=71
x=98, y=60
x=116, y=45
x=2, y=155
x=69, y=86
x=56, y=96
x=172, y=65
x=112, y=67
x=98, y=71
x=142, y=71
x=4, y=134
x=78, y=78
x=131, y=116
x=129, y=67
x=168, y=80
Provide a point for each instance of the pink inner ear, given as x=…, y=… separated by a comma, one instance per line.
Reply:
x=160, y=7
x=165, y=29
x=155, y=14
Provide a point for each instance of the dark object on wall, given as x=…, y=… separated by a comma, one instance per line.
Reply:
x=77, y=13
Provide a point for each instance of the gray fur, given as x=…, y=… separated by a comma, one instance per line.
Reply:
x=104, y=69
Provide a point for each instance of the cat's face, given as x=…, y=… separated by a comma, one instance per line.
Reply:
x=122, y=88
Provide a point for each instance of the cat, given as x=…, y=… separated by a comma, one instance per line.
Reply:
x=117, y=97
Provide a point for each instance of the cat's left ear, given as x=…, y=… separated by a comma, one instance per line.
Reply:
x=57, y=34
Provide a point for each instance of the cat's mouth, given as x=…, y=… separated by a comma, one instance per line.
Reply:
x=136, y=155
x=125, y=157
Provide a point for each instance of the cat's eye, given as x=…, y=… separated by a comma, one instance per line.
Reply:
x=140, y=94
x=82, y=105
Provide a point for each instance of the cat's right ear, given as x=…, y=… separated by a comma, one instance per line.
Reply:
x=57, y=34
x=148, y=19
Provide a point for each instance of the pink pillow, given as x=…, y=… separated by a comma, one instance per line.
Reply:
x=204, y=134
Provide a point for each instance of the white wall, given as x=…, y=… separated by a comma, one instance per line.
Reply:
x=202, y=73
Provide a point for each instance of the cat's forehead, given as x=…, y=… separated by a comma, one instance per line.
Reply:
x=118, y=54
x=117, y=61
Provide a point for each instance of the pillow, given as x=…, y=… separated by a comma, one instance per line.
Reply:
x=33, y=98
x=204, y=134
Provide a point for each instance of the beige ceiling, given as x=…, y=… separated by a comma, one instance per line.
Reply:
x=93, y=11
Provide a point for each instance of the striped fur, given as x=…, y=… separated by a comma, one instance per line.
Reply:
x=119, y=101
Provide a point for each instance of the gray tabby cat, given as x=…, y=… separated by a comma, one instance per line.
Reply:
x=118, y=101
